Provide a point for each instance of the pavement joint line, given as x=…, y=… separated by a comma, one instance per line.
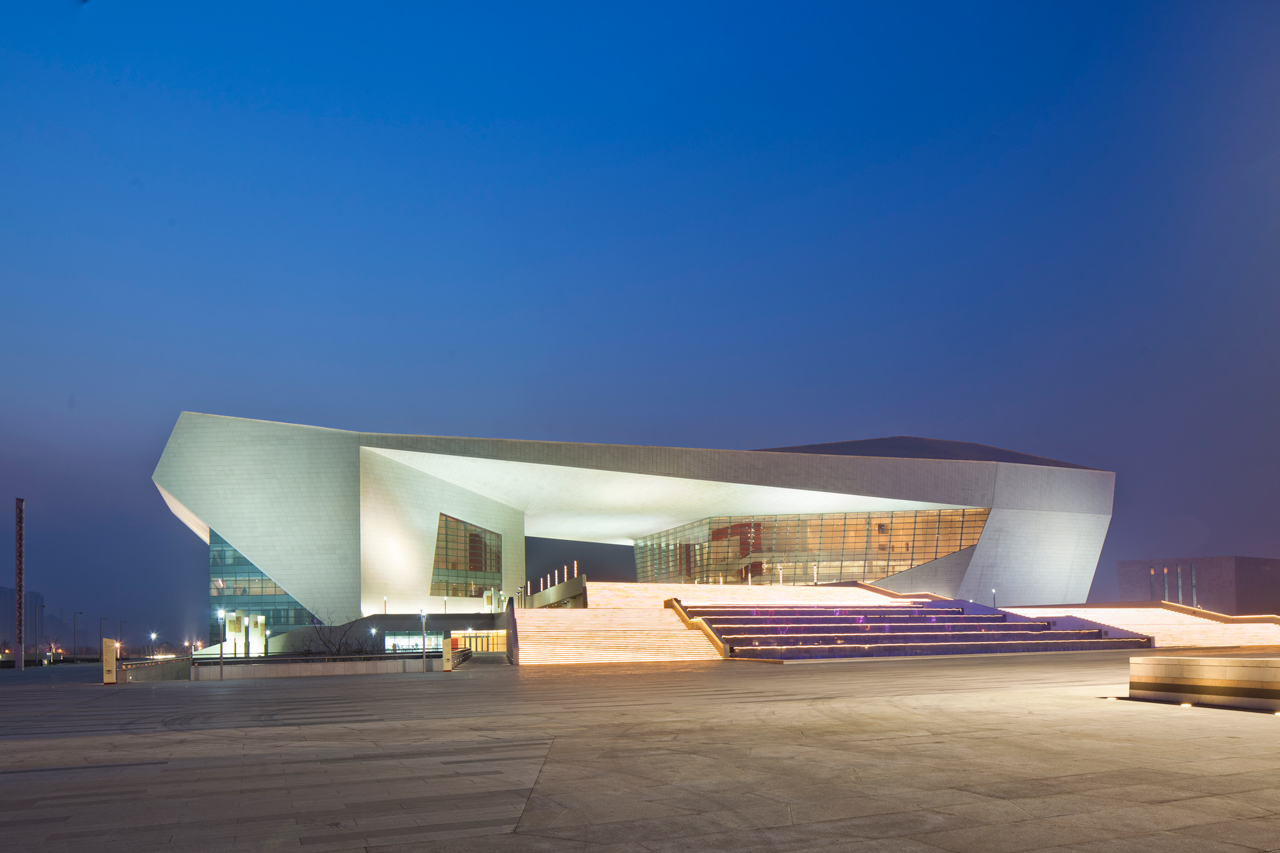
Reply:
x=485, y=760
x=80, y=767
x=425, y=829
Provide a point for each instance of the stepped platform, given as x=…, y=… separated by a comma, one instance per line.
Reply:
x=792, y=633
x=685, y=622
x=608, y=635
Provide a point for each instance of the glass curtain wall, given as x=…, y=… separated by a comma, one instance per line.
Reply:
x=805, y=549
x=237, y=584
x=411, y=641
x=477, y=641
x=468, y=559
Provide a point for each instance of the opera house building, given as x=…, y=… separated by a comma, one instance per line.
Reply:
x=305, y=523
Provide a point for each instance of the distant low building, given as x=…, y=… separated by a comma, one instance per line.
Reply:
x=33, y=622
x=1237, y=586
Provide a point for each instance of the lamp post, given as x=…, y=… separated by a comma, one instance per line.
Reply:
x=153, y=643
x=74, y=613
x=222, y=638
x=422, y=614
x=993, y=600
x=266, y=651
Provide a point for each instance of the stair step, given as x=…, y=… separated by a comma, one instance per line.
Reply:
x=914, y=649
x=860, y=622
x=819, y=612
x=748, y=642
x=608, y=635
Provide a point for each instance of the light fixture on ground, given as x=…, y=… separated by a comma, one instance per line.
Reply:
x=222, y=638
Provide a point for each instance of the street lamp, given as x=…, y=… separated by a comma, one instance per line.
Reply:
x=222, y=640
x=266, y=651
x=993, y=599
x=422, y=614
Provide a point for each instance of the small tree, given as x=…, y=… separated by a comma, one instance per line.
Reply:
x=335, y=640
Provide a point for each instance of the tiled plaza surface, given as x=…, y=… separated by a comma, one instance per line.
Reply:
x=982, y=754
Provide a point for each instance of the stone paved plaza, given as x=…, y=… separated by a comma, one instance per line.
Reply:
x=978, y=754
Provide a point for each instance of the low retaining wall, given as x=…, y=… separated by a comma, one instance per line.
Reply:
x=299, y=669
x=160, y=670
x=1236, y=682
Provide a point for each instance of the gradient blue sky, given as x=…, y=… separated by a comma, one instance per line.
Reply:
x=1048, y=227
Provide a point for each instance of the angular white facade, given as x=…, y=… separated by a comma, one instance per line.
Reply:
x=339, y=520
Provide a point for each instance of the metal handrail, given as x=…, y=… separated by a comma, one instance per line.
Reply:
x=699, y=624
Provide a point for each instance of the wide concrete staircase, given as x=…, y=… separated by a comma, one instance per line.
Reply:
x=794, y=633
x=608, y=635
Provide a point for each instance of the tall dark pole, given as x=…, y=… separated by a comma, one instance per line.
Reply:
x=21, y=651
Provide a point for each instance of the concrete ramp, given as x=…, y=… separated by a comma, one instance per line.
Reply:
x=1171, y=625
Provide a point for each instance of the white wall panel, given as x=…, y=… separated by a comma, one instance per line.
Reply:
x=287, y=497
x=1035, y=557
x=400, y=511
